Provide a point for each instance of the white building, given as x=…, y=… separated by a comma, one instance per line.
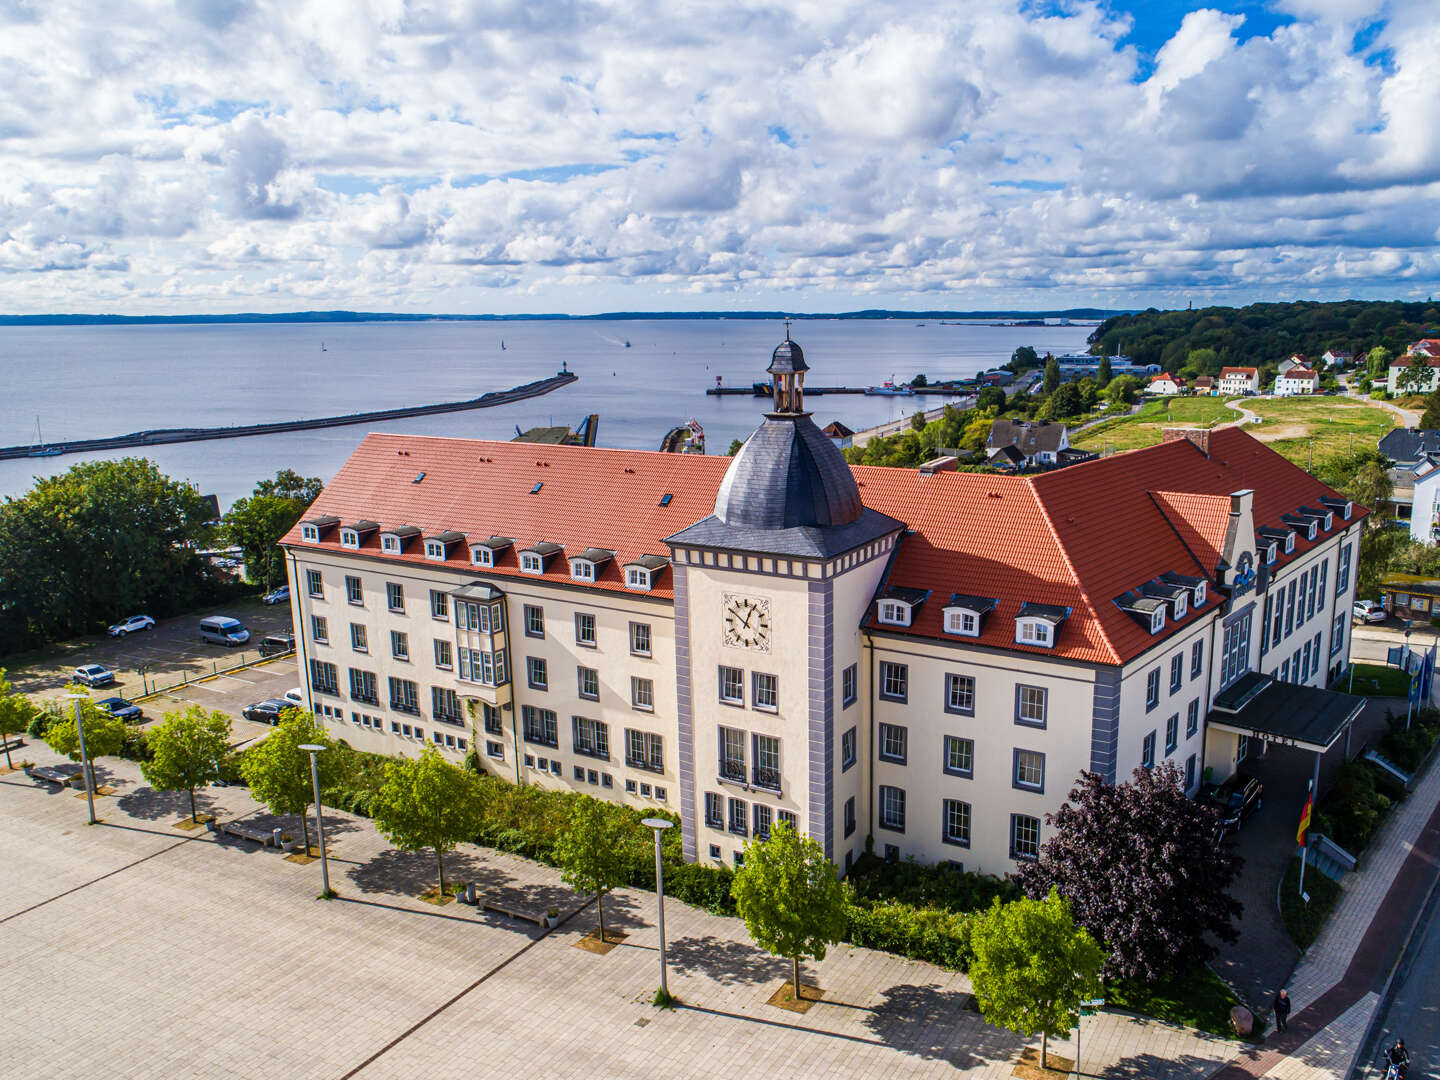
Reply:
x=1425, y=354
x=1297, y=381
x=1239, y=380
x=923, y=658
x=1165, y=384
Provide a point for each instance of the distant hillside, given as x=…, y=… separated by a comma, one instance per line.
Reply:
x=1262, y=335
x=380, y=316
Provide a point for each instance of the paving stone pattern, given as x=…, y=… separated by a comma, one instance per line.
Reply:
x=136, y=949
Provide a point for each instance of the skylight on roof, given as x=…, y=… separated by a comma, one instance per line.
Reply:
x=665, y=499
x=418, y=477
x=538, y=485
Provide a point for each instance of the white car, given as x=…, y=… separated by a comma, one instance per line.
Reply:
x=295, y=696
x=131, y=625
x=277, y=596
x=94, y=675
x=1368, y=611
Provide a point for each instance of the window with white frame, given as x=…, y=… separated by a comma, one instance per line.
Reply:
x=585, y=629
x=714, y=810
x=637, y=577
x=1192, y=718
x=894, y=681
x=359, y=640
x=849, y=816
x=1342, y=571
x=892, y=743
x=1029, y=770
x=537, y=673
x=894, y=613
x=960, y=694
x=1030, y=705
x=1197, y=659
x=962, y=621
x=1337, y=633
x=642, y=694
x=1036, y=632
x=847, y=749
x=324, y=677
x=892, y=808
x=582, y=570
x=444, y=654
x=480, y=555
x=362, y=687
x=1235, y=652
x=955, y=822
x=539, y=726
x=352, y=590
x=849, y=685
x=311, y=533
x=959, y=756
x=395, y=596
x=534, y=621
x=592, y=737
x=732, y=754
x=349, y=538
x=1152, y=689
x=766, y=767
x=314, y=583
x=435, y=549
x=1157, y=620
x=390, y=544
x=1200, y=595
x=493, y=722
x=732, y=685
x=1177, y=671
x=639, y=639
x=482, y=666
x=588, y=680
x=404, y=696
x=320, y=629
x=531, y=563
x=738, y=810
x=644, y=750
x=762, y=821
x=1147, y=751
x=1024, y=836
x=764, y=691
x=1172, y=734
x=439, y=605
x=399, y=645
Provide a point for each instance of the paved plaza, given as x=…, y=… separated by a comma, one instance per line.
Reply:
x=138, y=949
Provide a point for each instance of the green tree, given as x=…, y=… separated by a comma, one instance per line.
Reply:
x=277, y=771
x=1430, y=419
x=1103, y=375
x=101, y=540
x=16, y=713
x=1415, y=375
x=920, y=380
x=104, y=733
x=1067, y=400
x=1123, y=390
x=735, y=446
x=1364, y=478
x=426, y=802
x=256, y=524
x=595, y=854
x=1052, y=374
x=917, y=420
x=187, y=748
x=1022, y=358
x=1379, y=360
x=790, y=897
x=1033, y=966
x=990, y=397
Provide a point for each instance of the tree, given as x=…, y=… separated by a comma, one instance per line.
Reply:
x=1052, y=374
x=1415, y=375
x=1123, y=390
x=917, y=420
x=790, y=897
x=1430, y=419
x=735, y=446
x=1379, y=360
x=1033, y=966
x=1103, y=374
x=597, y=851
x=257, y=523
x=1364, y=478
x=1065, y=401
x=920, y=380
x=16, y=712
x=187, y=748
x=990, y=397
x=278, y=771
x=102, y=540
x=1022, y=358
x=1138, y=862
x=426, y=802
x=104, y=734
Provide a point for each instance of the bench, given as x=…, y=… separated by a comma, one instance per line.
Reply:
x=500, y=907
x=248, y=830
x=56, y=774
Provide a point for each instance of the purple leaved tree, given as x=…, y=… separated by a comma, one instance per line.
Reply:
x=1142, y=874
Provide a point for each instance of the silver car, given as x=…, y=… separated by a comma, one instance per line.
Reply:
x=131, y=625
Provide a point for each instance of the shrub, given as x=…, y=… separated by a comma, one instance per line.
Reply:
x=41, y=723
x=1352, y=809
x=921, y=885
x=136, y=746
x=930, y=934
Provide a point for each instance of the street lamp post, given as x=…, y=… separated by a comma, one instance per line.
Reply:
x=84, y=758
x=315, y=748
x=659, y=825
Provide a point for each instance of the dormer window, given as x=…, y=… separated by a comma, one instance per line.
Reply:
x=349, y=538
x=487, y=552
x=1290, y=544
x=1035, y=632
x=481, y=555
x=390, y=544
x=894, y=613
x=965, y=615
x=637, y=577
x=586, y=566
x=1039, y=624
x=1179, y=605
x=434, y=549
x=1310, y=531
x=1271, y=553
x=1200, y=595
x=1329, y=522
x=310, y=533
x=352, y=536
x=1157, y=620
x=531, y=563
x=582, y=570
x=314, y=528
x=641, y=574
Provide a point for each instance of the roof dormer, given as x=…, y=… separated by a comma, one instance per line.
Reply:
x=1343, y=507
x=896, y=606
x=642, y=574
x=1039, y=624
x=313, y=530
x=395, y=541
x=1148, y=611
x=1176, y=596
x=1326, y=517
x=438, y=547
x=1196, y=585
x=488, y=552
x=587, y=564
x=352, y=536
x=535, y=558
x=965, y=615
x=1305, y=526
x=1285, y=538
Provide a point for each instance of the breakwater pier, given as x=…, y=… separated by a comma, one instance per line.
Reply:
x=160, y=436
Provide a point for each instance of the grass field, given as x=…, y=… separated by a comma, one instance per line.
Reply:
x=1306, y=430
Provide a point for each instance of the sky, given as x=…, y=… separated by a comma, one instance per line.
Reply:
x=181, y=156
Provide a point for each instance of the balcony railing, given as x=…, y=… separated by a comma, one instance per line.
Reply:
x=733, y=769
x=767, y=778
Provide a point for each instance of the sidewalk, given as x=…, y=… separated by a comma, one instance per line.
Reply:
x=1337, y=986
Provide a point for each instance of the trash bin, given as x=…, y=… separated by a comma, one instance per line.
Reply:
x=279, y=837
x=470, y=893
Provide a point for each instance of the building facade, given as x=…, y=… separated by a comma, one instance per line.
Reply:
x=1297, y=381
x=1239, y=380
x=928, y=659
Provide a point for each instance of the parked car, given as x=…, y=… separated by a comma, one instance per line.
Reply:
x=131, y=625
x=277, y=644
x=1368, y=611
x=125, y=710
x=1234, y=800
x=296, y=696
x=267, y=711
x=223, y=630
x=277, y=596
x=94, y=675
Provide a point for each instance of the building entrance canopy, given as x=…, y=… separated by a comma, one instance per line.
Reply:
x=1285, y=713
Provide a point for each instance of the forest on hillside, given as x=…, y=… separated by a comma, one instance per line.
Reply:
x=1261, y=335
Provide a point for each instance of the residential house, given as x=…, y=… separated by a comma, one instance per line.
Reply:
x=1165, y=384
x=1033, y=442
x=1406, y=446
x=1338, y=358
x=1425, y=502
x=839, y=434
x=1429, y=370
x=1297, y=381
x=1203, y=384
x=925, y=661
x=1425, y=347
x=1239, y=380
x=1294, y=360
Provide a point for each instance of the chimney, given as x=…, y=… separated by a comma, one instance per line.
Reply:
x=1200, y=437
x=948, y=463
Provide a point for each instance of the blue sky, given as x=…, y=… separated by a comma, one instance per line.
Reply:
x=227, y=155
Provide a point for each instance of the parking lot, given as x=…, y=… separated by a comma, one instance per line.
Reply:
x=172, y=656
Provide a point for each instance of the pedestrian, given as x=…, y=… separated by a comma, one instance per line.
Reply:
x=1282, y=1010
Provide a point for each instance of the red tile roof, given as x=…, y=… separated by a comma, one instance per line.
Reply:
x=1075, y=538
x=1248, y=372
x=1300, y=373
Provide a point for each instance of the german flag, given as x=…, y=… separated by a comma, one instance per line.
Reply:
x=1304, y=820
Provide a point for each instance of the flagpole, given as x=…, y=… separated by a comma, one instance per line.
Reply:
x=1302, y=836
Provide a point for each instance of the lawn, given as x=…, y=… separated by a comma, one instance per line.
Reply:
x=1304, y=921
x=1144, y=427
x=1378, y=680
x=1200, y=1000
x=1309, y=430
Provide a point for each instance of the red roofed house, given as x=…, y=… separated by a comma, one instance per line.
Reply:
x=1239, y=380
x=1424, y=356
x=1296, y=381
x=927, y=657
x=1166, y=384
x=1426, y=347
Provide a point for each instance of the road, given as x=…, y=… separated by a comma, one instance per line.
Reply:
x=1414, y=1010
x=1369, y=644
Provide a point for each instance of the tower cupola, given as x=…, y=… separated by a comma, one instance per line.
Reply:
x=787, y=371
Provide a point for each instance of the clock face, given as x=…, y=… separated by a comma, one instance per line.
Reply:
x=746, y=622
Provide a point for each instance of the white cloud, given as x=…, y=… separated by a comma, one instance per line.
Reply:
x=573, y=154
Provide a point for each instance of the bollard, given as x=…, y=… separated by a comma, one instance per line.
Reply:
x=470, y=892
x=279, y=837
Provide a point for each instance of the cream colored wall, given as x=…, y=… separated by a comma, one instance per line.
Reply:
x=1136, y=721
x=613, y=613
x=1065, y=742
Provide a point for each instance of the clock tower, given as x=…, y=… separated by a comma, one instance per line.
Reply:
x=770, y=591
